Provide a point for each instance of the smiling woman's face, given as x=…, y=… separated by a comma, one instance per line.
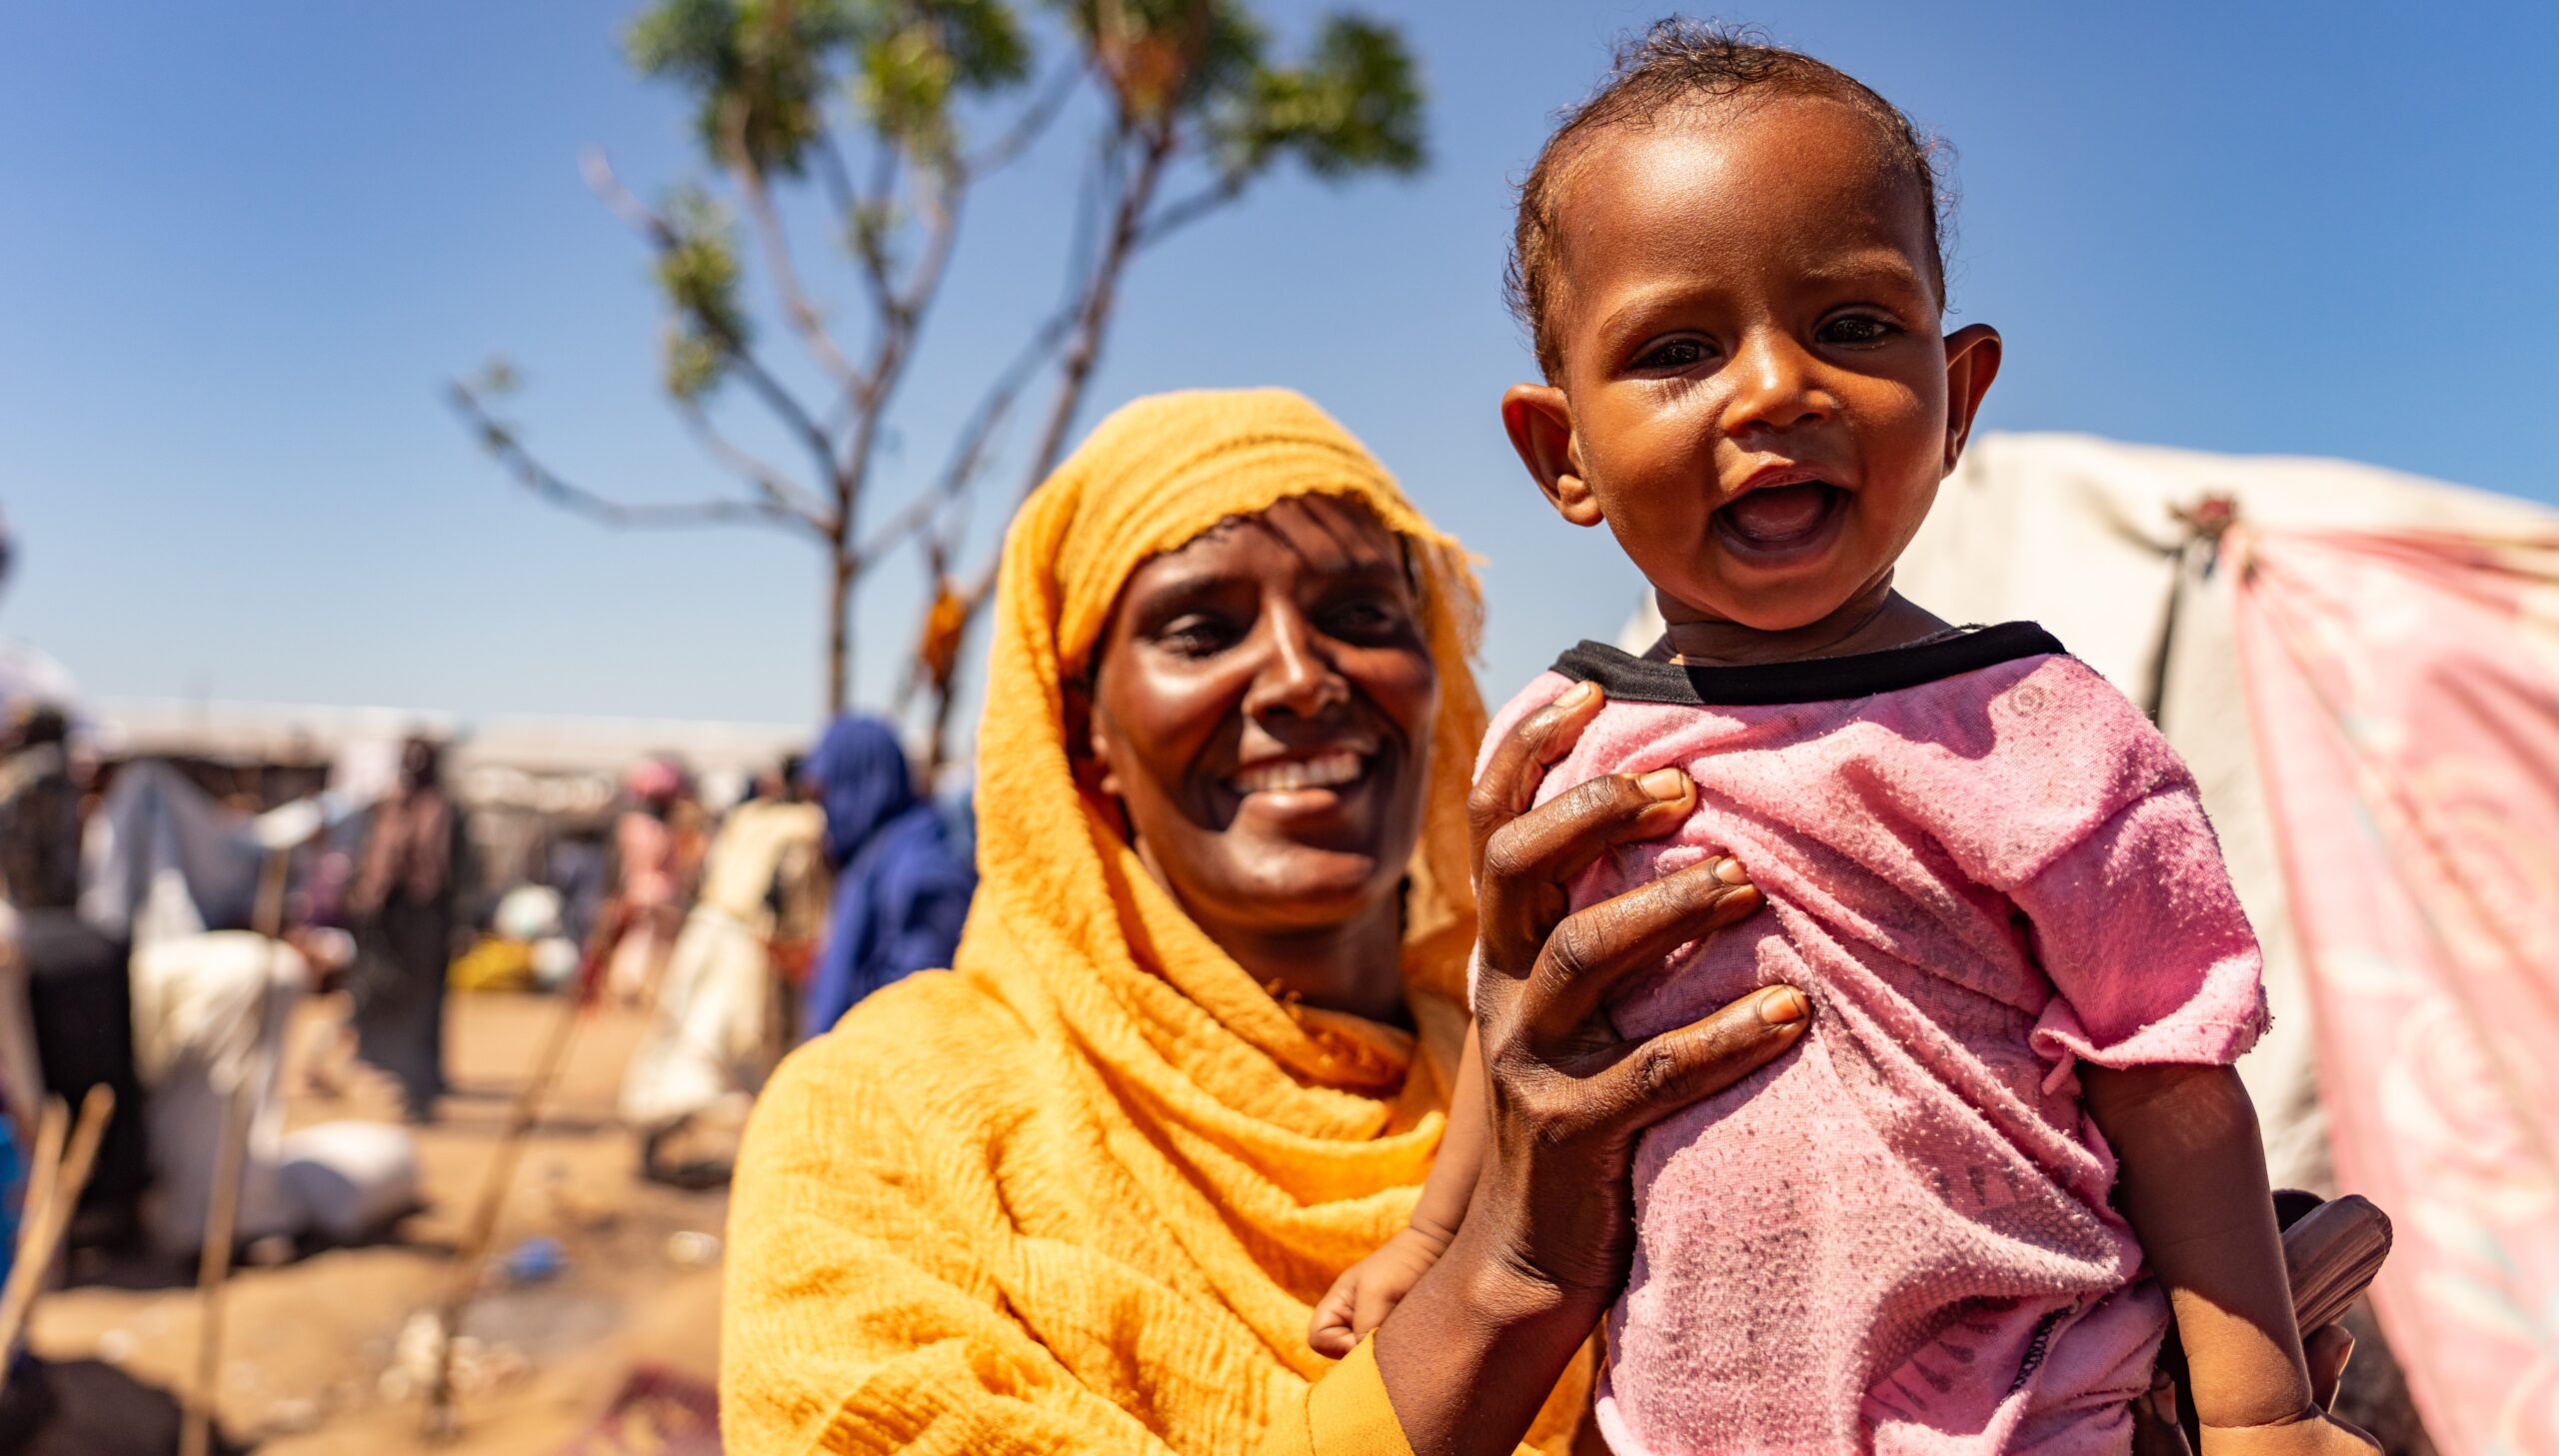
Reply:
x=1261, y=711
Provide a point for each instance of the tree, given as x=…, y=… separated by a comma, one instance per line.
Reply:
x=1192, y=110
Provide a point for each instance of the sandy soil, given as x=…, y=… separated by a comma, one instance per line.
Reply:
x=311, y=1348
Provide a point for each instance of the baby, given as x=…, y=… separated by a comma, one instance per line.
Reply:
x=1957, y=1217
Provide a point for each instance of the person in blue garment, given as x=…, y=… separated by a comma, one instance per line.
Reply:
x=901, y=889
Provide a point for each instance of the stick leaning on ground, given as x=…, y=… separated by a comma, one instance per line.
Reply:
x=41, y=1239
x=222, y=1215
x=442, y=1424
x=54, y=1124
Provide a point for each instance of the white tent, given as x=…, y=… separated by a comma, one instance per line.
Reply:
x=2098, y=542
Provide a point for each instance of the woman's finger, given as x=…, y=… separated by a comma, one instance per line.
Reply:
x=1590, y=950
x=2327, y=1349
x=1508, y=784
x=1519, y=879
x=1676, y=1069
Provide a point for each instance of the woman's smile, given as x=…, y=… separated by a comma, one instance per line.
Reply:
x=1302, y=783
x=1261, y=710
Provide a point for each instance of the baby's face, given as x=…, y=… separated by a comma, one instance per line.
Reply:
x=1758, y=388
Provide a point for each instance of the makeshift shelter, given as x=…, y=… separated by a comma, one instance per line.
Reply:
x=2363, y=668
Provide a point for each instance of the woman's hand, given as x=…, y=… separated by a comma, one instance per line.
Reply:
x=1569, y=1095
x=1485, y=1334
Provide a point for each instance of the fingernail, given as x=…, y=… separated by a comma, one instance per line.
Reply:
x=1663, y=783
x=1578, y=694
x=1783, y=1006
x=1729, y=870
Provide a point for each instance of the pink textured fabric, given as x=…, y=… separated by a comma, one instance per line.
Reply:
x=2405, y=690
x=1896, y=1239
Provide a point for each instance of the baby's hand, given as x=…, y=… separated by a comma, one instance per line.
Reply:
x=2316, y=1433
x=1368, y=1291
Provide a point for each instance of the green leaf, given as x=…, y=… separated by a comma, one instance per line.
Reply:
x=699, y=271
x=1354, y=106
x=1162, y=58
x=909, y=70
x=760, y=70
x=756, y=69
x=695, y=363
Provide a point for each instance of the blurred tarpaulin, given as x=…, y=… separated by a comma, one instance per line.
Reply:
x=2405, y=691
x=656, y=1413
x=163, y=858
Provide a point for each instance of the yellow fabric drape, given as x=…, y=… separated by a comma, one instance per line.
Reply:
x=1078, y=1192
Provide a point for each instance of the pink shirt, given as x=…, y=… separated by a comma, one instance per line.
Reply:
x=1983, y=866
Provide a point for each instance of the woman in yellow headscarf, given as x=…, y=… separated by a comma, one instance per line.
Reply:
x=1078, y=1192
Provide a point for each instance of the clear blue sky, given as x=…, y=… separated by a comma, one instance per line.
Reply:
x=241, y=245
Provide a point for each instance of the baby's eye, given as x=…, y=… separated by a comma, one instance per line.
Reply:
x=1673, y=354
x=1857, y=329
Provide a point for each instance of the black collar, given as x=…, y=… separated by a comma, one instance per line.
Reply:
x=1814, y=680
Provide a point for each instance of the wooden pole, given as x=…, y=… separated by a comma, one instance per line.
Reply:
x=221, y=1217
x=442, y=1423
x=54, y=1126
x=47, y=1224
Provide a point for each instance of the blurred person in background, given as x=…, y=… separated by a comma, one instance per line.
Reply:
x=67, y=1000
x=39, y=811
x=656, y=857
x=725, y=1012
x=403, y=909
x=901, y=891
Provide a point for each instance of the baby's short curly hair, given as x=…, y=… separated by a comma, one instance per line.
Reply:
x=1678, y=64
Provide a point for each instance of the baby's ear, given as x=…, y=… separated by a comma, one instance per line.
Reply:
x=1973, y=361
x=1540, y=420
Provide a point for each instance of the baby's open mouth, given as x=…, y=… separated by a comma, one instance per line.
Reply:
x=1782, y=516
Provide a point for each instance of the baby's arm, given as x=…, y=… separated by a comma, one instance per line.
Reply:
x=2193, y=1186
x=1360, y=1300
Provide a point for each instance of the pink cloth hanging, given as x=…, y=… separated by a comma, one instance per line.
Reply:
x=2405, y=691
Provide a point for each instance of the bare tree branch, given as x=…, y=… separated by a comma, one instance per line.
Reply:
x=911, y=518
x=641, y=219
x=941, y=204
x=1094, y=322
x=837, y=177
x=796, y=304
x=1177, y=215
x=939, y=514
x=866, y=229
x=768, y=479
x=969, y=455
x=1028, y=127
x=502, y=443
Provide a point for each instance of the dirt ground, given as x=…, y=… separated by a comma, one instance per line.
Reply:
x=312, y=1347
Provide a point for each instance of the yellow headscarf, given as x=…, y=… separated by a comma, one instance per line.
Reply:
x=1150, y=479
x=1081, y=1192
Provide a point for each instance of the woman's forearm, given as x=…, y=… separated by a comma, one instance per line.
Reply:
x=1473, y=1351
